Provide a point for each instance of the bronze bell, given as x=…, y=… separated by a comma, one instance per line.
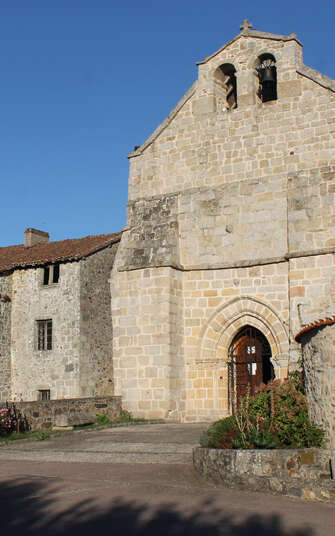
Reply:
x=267, y=75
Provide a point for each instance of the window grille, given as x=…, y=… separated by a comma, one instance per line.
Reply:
x=43, y=395
x=44, y=334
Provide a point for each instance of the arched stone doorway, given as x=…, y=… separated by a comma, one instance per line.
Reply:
x=249, y=364
x=211, y=364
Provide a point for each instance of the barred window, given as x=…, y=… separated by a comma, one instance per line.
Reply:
x=44, y=334
x=43, y=395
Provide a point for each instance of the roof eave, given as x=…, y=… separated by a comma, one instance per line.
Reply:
x=67, y=258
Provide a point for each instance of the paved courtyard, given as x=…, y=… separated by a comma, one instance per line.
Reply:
x=136, y=480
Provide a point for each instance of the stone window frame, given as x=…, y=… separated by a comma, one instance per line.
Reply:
x=43, y=395
x=50, y=274
x=43, y=335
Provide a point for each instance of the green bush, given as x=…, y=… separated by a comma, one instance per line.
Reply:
x=102, y=418
x=256, y=439
x=276, y=417
x=43, y=435
x=220, y=434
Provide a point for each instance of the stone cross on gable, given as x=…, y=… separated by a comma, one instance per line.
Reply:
x=246, y=25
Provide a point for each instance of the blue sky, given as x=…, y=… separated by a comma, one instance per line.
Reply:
x=83, y=81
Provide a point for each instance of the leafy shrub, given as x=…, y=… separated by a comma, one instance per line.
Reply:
x=43, y=435
x=102, y=418
x=220, y=434
x=276, y=417
x=255, y=439
x=124, y=417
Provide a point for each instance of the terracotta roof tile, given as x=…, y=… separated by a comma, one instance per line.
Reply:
x=317, y=324
x=48, y=252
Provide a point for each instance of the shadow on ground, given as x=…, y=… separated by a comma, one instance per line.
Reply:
x=27, y=508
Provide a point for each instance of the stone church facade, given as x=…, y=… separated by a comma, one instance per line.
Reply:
x=230, y=229
x=228, y=252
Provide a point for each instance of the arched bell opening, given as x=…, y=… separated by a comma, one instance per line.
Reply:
x=249, y=365
x=225, y=77
x=267, y=77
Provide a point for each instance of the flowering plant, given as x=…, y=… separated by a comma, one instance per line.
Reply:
x=6, y=421
x=12, y=420
x=276, y=417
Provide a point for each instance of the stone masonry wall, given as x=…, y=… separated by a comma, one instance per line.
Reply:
x=319, y=370
x=217, y=304
x=239, y=204
x=248, y=185
x=68, y=412
x=57, y=369
x=5, y=338
x=96, y=329
x=288, y=174
x=173, y=330
x=302, y=473
x=153, y=235
x=147, y=335
x=312, y=291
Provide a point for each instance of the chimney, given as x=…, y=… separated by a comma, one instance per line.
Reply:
x=34, y=236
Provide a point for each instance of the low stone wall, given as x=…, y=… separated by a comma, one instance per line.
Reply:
x=303, y=473
x=68, y=412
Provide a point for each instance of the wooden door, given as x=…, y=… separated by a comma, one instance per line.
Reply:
x=247, y=360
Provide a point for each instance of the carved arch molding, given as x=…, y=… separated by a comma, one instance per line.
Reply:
x=219, y=332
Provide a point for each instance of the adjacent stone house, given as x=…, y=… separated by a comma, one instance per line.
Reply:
x=230, y=240
x=55, y=324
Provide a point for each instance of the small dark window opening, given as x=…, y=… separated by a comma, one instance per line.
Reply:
x=267, y=75
x=51, y=274
x=44, y=334
x=46, y=274
x=55, y=276
x=43, y=395
x=230, y=85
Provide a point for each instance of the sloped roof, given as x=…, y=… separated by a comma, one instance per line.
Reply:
x=317, y=324
x=255, y=34
x=65, y=250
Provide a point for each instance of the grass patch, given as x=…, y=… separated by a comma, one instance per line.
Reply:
x=102, y=422
x=36, y=434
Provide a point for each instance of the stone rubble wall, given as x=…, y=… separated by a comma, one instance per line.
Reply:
x=302, y=473
x=68, y=412
x=80, y=363
x=318, y=351
x=5, y=336
x=57, y=369
x=153, y=234
x=96, y=328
